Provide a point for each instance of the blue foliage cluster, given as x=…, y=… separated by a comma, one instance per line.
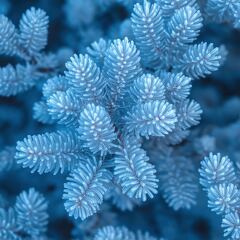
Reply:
x=109, y=108
x=219, y=179
x=28, y=217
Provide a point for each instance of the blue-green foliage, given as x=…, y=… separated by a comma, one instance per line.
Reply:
x=33, y=31
x=50, y=152
x=109, y=233
x=231, y=226
x=119, y=114
x=121, y=233
x=189, y=113
x=177, y=85
x=223, y=198
x=121, y=67
x=26, y=44
x=97, y=50
x=85, y=77
x=7, y=158
x=148, y=29
x=8, y=226
x=95, y=129
x=154, y=118
x=223, y=10
x=27, y=220
x=169, y=7
x=147, y=88
x=53, y=85
x=63, y=107
x=9, y=37
x=107, y=111
x=216, y=169
x=183, y=27
x=85, y=188
x=31, y=212
x=133, y=171
x=119, y=199
x=16, y=80
x=178, y=183
x=199, y=60
x=219, y=180
x=162, y=41
x=41, y=113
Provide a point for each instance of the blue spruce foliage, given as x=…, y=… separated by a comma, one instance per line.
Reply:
x=28, y=218
x=107, y=110
x=85, y=188
x=31, y=212
x=219, y=180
